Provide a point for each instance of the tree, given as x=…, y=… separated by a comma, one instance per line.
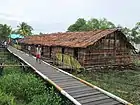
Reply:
x=5, y=30
x=92, y=24
x=25, y=29
x=127, y=32
x=105, y=24
x=136, y=33
x=40, y=33
x=133, y=34
x=79, y=25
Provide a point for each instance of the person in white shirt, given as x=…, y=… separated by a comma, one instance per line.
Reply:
x=38, y=54
x=29, y=49
x=5, y=44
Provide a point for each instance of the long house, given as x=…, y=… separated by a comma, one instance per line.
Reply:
x=99, y=47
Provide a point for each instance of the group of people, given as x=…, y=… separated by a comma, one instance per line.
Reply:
x=38, y=53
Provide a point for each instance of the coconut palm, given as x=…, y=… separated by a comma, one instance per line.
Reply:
x=25, y=29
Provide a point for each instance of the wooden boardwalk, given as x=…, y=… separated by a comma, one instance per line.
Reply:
x=77, y=90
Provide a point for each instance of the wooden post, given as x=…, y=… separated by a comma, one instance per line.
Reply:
x=115, y=47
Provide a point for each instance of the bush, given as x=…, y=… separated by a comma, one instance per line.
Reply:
x=6, y=99
x=49, y=98
x=8, y=71
x=22, y=86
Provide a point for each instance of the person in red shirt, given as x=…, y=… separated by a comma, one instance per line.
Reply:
x=38, y=54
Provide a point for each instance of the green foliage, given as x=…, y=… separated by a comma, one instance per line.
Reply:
x=28, y=88
x=24, y=29
x=5, y=30
x=69, y=60
x=92, y=24
x=80, y=25
x=6, y=99
x=133, y=34
x=49, y=98
x=22, y=86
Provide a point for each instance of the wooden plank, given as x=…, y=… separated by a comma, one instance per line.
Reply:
x=69, y=84
x=92, y=99
x=72, y=88
x=85, y=94
x=92, y=96
x=59, y=79
x=64, y=80
x=111, y=103
x=81, y=89
x=98, y=102
x=55, y=75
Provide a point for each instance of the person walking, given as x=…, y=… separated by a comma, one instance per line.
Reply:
x=29, y=50
x=38, y=54
x=5, y=44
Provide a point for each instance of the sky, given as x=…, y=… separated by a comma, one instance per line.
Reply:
x=48, y=16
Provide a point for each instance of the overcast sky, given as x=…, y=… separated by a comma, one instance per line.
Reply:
x=56, y=15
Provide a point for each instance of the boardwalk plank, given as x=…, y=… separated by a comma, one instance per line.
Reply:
x=84, y=92
x=93, y=99
x=91, y=96
x=98, y=102
x=111, y=103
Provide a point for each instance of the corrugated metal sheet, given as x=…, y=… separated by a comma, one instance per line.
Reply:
x=69, y=39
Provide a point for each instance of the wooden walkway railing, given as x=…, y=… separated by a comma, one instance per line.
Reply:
x=75, y=89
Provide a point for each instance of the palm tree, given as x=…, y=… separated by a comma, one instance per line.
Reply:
x=25, y=29
x=5, y=30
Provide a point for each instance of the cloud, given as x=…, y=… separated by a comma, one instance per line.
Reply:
x=12, y=17
x=57, y=15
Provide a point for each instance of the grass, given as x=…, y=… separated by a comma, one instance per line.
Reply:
x=125, y=84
